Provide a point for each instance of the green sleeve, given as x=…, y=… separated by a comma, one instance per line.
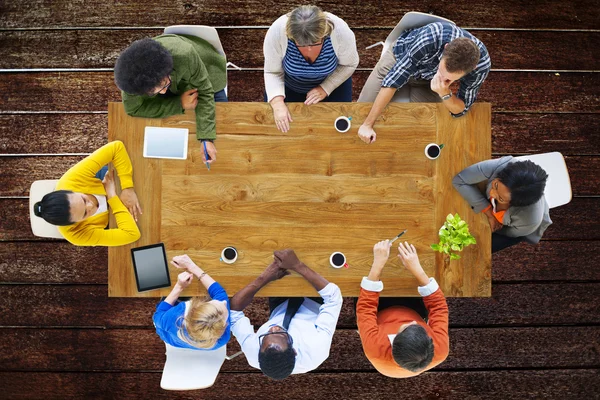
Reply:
x=151, y=107
x=205, y=110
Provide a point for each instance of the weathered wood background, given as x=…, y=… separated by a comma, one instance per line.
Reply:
x=61, y=337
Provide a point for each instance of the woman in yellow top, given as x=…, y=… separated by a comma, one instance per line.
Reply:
x=79, y=206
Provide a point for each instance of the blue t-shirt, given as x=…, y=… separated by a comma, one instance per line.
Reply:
x=302, y=76
x=166, y=316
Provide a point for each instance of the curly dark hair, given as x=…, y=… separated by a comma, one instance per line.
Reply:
x=142, y=66
x=526, y=181
x=412, y=348
x=462, y=55
x=277, y=364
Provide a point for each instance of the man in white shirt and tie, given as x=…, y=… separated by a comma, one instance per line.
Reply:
x=297, y=337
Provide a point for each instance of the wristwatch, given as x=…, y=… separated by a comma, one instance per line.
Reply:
x=446, y=97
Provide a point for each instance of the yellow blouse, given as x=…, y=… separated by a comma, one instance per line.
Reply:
x=81, y=179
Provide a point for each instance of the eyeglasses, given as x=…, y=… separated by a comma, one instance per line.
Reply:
x=282, y=332
x=163, y=88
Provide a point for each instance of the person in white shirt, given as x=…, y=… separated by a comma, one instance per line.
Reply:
x=297, y=337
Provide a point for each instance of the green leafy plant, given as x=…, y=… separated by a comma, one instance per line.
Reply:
x=454, y=236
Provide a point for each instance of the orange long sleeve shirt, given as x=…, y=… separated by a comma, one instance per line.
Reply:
x=374, y=329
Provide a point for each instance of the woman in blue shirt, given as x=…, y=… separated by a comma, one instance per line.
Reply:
x=199, y=324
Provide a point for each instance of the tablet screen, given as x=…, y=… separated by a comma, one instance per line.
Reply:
x=150, y=265
x=165, y=143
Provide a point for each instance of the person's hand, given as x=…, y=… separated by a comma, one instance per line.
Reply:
x=494, y=224
x=184, y=279
x=185, y=262
x=109, y=184
x=366, y=134
x=274, y=272
x=287, y=259
x=189, y=99
x=381, y=253
x=281, y=115
x=211, y=150
x=315, y=95
x=439, y=85
x=130, y=200
x=408, y=255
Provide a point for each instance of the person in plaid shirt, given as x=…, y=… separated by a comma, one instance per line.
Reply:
x=422, y=65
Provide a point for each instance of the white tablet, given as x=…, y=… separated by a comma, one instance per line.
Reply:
x=166, y=143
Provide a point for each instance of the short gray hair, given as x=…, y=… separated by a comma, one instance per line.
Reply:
x=308, y=25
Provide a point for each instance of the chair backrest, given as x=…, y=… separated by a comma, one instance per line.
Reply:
x=411, y=20
x=39, y=226
x=207, y=33
x=558, y=186
x=188, y=369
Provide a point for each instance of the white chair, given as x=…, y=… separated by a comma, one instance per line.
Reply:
x=39, y=226
x=207, y=33
x=188, y=369
x=411, y=20
x=558, y=186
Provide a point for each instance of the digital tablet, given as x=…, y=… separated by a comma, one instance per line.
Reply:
x=166, y=143
x=150, y=266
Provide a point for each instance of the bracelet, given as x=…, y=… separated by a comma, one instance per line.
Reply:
x=201, y=276
x=446, y=97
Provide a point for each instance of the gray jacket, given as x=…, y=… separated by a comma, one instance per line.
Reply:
x=530, y=221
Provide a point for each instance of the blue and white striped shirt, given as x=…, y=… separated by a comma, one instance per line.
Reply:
x=302, y=76
x=418, y=53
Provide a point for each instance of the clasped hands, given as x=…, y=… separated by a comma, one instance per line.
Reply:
x=284, y=261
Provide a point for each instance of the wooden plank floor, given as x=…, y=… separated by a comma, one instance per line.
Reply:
x=61, y=337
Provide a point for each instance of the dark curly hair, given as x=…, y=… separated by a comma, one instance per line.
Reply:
x=462, y=55
x=277, y=364
x=142, y=66
x=412, y=348
x=55, y=208
x=526, y=181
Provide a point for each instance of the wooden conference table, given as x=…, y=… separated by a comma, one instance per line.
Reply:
x=312, y=189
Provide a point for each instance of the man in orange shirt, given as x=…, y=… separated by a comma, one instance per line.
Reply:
x=397, y=340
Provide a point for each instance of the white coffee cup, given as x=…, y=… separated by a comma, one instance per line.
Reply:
x=347, y=121
x=227, y=253
x=340, y=260
x=433, y=150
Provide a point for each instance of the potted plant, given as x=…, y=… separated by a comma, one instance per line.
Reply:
x=454, y=236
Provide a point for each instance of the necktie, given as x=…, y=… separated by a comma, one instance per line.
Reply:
x=294, y=304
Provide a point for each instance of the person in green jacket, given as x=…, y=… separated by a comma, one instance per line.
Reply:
x=169, y=74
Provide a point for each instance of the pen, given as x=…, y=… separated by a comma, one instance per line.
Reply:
x=206, y=155
x=400, y=234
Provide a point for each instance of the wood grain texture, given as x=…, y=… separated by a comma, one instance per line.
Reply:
x=512, y=133
x=110, y=350
x=466, y=141
x=546, y=262
x=574, y=221
x=513, y=305
x=305, y=224
x=146, y=177
x=52, y=262
x=459, y=385
x=60, y=262
x=72, y=91
x=49, y=14
x=243, y=46
x=379, y=173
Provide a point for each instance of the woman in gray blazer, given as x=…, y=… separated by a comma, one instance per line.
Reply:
x=513, y=201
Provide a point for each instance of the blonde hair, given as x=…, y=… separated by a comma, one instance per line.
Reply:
x=307, y=25
x=204, y=324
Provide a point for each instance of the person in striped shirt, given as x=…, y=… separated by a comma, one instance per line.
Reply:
x=310, y=56
x=422, y=65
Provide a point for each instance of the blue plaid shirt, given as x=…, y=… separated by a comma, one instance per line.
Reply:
x=418, y=53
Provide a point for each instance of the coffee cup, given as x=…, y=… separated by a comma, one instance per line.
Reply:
x=342, y=124
x=229, y=255
x=338, y=260
x=433, y=151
